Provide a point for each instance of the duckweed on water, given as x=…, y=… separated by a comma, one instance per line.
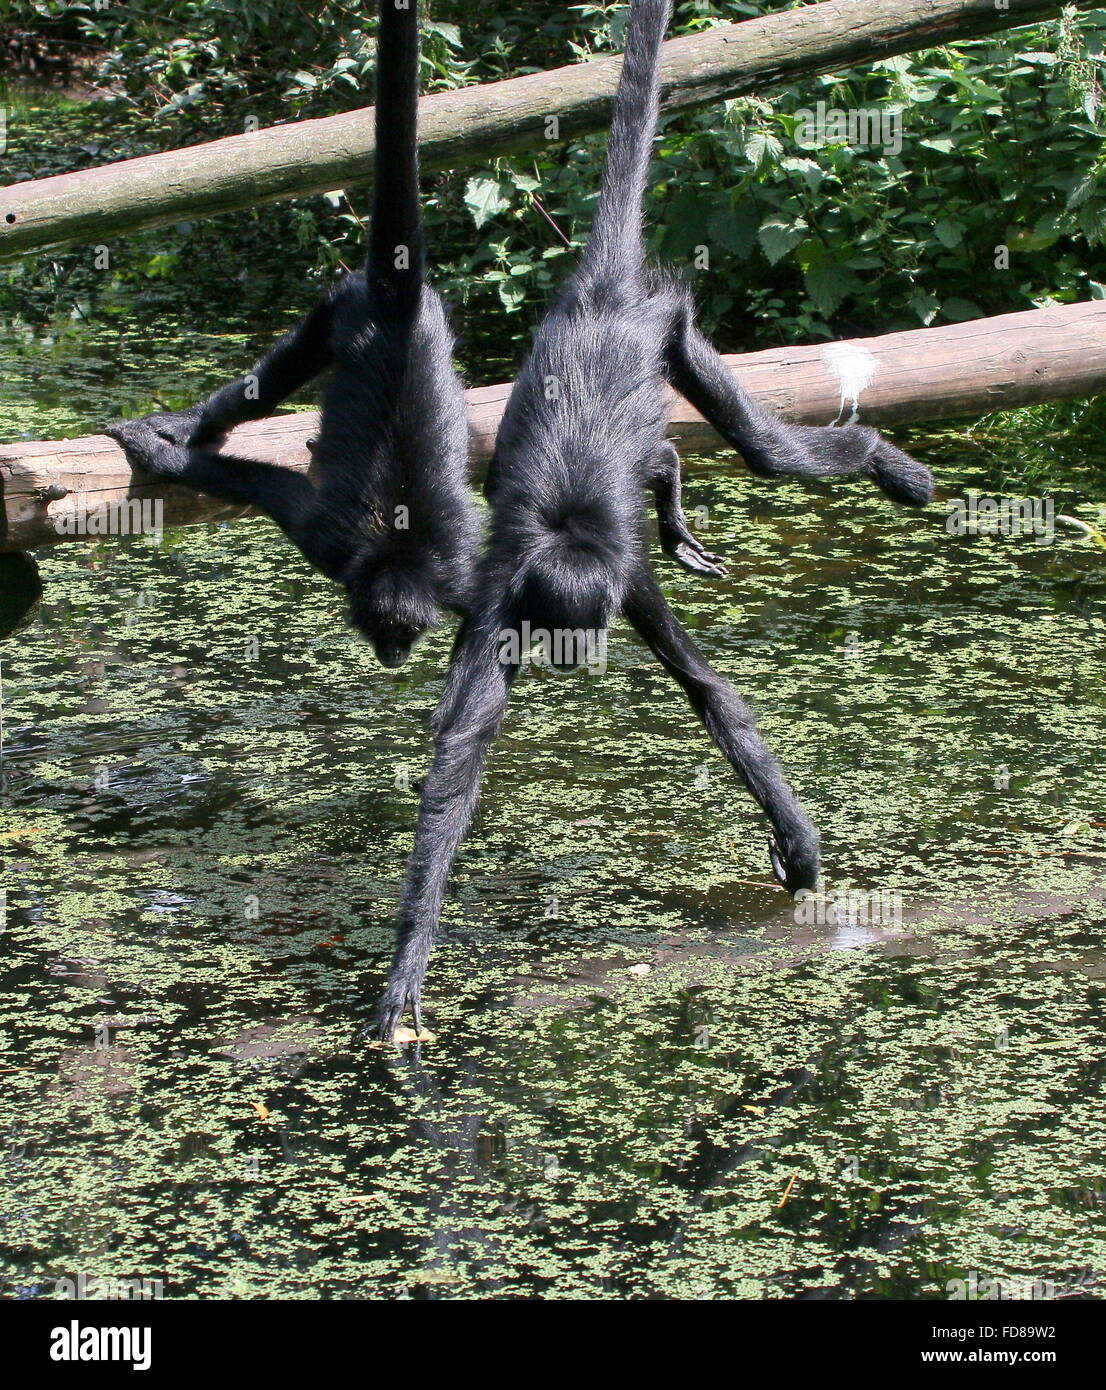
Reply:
x=209, y=791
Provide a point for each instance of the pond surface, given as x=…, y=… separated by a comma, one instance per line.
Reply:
x=210, y=788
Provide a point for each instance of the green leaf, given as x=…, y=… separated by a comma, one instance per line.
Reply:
x=484, y=199
x=948, y=232
x=960, y=310
x=1092, y=223
x=1082, y=191
x=686, y=221
x=735, y=230
x=512, y=294
x=450, y=32
x=810, y=170
x=828, y=285
x=926, y=306
x=761, y=148
x=777, y=236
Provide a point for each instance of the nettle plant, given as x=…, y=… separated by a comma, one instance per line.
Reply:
x=983, y=190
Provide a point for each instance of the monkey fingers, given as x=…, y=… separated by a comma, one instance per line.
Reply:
x=180, y=427
x=404, y=984
x=697, y=560
x=676, y=537
x=149, y=449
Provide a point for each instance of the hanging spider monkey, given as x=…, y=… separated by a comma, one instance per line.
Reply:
x=582, y=435
x=392, y=517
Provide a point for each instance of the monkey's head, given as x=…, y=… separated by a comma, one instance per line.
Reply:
x=392, y=603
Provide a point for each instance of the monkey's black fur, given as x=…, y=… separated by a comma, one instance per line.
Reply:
x=583, y=434
x=392, y=517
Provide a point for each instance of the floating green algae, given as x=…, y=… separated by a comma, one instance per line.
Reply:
x=209, y=792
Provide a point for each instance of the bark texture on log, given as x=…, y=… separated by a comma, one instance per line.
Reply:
x=965, y=370
x=476, y=123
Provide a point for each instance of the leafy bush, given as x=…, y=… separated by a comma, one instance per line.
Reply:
x=995, y=201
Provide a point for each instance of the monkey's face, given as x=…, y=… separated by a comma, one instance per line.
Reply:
x=392, y=607
x=393, y=646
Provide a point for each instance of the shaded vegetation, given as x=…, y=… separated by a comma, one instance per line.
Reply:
x=1001, y=146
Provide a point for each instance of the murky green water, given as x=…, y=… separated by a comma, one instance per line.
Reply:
x=209, y=791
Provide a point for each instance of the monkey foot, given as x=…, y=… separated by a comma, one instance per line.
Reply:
x=386, y=1027
x=698, y=559
x=792, y=876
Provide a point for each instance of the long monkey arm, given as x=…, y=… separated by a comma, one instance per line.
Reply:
x=794, y=850
x=294, y=360
x=468, y=718
x=280, y=493
x=775, y=448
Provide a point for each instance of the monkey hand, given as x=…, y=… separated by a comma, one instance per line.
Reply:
x=795, y=864
x=404, y=983
x=679, y=543
x=149, y=449
x=864, y=450
x=181, y=427
x=695, y=557
x=901, y=477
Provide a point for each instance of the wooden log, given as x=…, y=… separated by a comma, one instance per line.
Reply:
x=965, y=370
x=473, y=124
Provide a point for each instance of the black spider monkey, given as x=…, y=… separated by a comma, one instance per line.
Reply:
x=392, y=518
x=583, y=433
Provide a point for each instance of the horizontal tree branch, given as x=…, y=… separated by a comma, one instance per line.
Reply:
x=965, y=370
x=473, y=124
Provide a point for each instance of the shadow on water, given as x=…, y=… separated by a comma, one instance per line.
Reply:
x=20, y=592
x=651, y=1077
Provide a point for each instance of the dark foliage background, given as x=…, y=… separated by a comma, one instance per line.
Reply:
x=1001, y=146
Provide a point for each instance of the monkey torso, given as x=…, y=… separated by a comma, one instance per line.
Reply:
x=587, y=414
x=392, y=452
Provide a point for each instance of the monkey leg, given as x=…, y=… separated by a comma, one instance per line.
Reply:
x=676, y=538
x=775, y=448
x=469, y=715
x=794, y=845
